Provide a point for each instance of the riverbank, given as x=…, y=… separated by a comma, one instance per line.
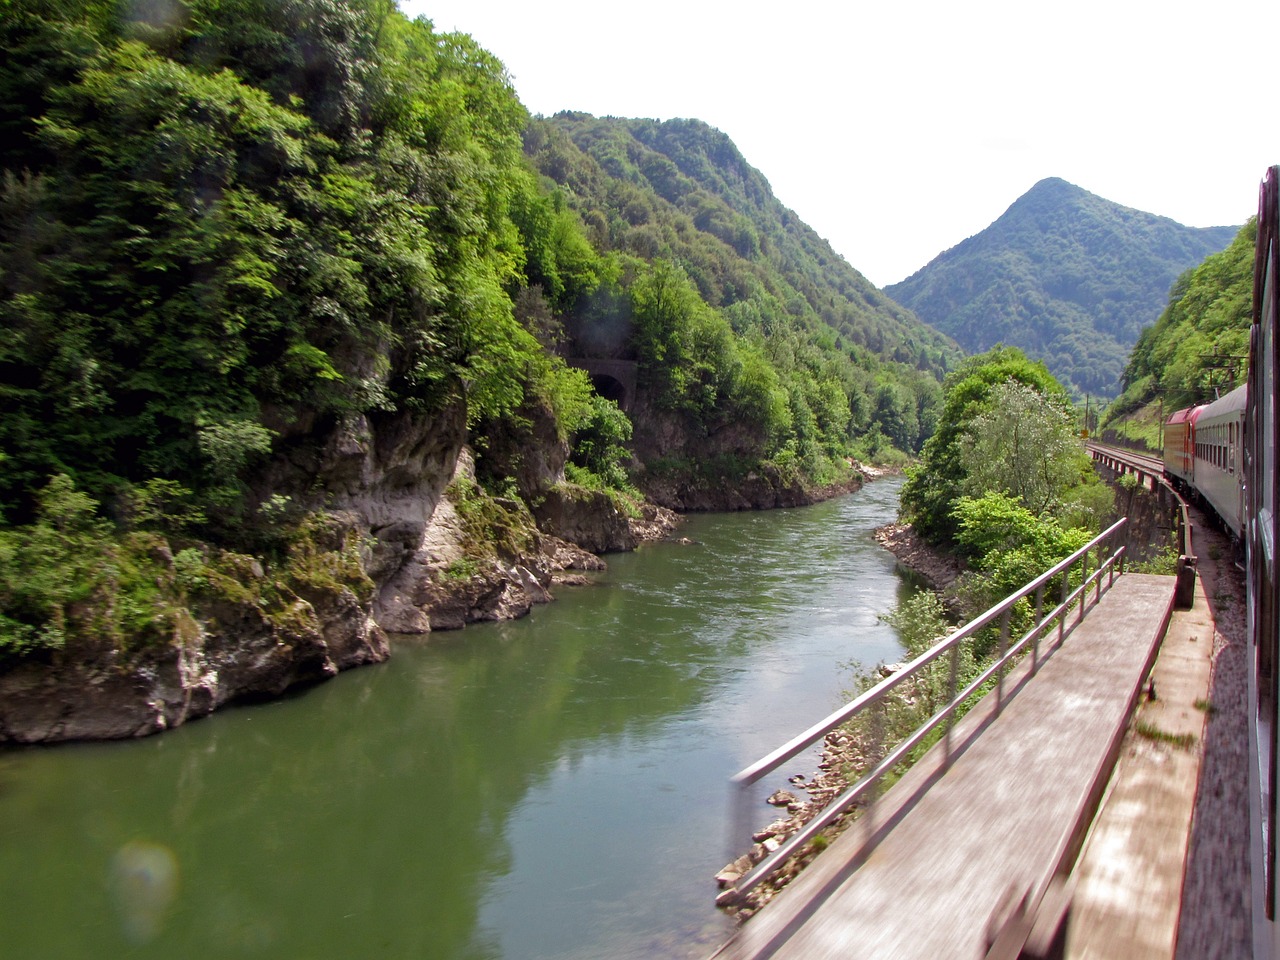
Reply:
x=939, y=569
x=256, y=638
x=475, y=559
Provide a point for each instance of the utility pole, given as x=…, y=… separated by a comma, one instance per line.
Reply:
x=1219, y=361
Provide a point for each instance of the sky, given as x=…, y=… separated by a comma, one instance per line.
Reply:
x=898, y=129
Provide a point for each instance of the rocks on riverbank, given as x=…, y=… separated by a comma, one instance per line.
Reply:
x=940, y=570
x=843, y=756
x=843, y=760
x=765, y=489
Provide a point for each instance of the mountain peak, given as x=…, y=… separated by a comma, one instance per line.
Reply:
x=1063, y=274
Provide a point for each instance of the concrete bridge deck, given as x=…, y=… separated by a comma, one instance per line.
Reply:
x=923, y=873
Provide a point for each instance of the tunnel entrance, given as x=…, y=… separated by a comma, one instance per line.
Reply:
x=613, y=379
x=611, y=389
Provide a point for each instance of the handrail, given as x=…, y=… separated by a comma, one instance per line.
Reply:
x=743, y=780
x=1123, y=460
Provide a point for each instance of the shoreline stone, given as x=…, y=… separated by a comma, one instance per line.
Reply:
x=843, y=754
x=940, y=570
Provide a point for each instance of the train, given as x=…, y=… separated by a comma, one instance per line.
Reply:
x=1259, y=434
x=1223, y=454
x=1203, y=456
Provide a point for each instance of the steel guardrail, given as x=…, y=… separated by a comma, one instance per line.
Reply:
x=1146, y=466
x=742, y=782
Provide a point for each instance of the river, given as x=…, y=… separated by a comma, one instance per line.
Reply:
x=555, y=787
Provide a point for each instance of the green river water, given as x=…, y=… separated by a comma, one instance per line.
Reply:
x=554, y=787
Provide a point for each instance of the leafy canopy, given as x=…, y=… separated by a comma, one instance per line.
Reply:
x=942, y=475
x=1199, y=346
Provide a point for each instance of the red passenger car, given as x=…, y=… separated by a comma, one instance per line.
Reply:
x=1180, y=446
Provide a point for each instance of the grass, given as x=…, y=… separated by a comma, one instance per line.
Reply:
x=1180, y=741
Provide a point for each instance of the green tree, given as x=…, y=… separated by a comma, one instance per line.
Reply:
x=938, y=480
x=1023, y=444
x=599, y=446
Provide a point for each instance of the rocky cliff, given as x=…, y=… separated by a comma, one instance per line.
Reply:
x=407, y=543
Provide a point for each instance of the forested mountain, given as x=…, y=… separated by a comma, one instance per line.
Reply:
x=1066, y=276
x=287, y=324
x=682, y=187
x=1198, y=349
x=680, y=192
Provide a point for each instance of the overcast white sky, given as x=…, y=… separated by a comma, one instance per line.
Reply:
x=898, y=129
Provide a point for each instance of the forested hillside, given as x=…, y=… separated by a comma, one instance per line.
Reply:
x=679, y=192
x=1198, y=349
x=1068, y=277
x=285, y=316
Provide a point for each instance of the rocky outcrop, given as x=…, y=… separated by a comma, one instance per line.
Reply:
x=939, y=569
x=526, y=449
x=766, y=488
x=586, y=517
x=690, y=466
x=235, y=652
x=434, y=553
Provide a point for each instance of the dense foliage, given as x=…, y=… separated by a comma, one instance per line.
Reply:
x=248, y=216
x=1200, y=345
x=1006, y=428
x=1066, y=276
x=230, y=229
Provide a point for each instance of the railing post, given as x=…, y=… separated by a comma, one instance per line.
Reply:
x=1062, y=603
x=877, y=753
x=951, y=699
x=1004, y=646
x=1084, y=585
x=740, y=825
x=1039, y=628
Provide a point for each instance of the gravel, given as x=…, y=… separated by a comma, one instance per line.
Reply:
x=1215, y=921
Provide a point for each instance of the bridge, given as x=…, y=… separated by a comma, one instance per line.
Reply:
x=1149, y=472
x=997, y=843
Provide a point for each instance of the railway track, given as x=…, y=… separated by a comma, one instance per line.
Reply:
x=1139, y=461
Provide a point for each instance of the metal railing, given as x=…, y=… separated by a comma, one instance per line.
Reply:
x=1153, y=467
x=875, y=698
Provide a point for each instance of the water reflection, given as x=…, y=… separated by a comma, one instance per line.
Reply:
x=553, y=787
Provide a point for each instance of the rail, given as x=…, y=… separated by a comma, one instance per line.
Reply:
x=1107, y=564
x=1127, y=461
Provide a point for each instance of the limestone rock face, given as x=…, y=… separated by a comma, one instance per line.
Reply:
x=585, y=517
x=249, y=655
x=383, y=482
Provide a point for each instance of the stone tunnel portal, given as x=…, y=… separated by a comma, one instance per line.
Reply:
x=611, y=389
x=613, y=379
